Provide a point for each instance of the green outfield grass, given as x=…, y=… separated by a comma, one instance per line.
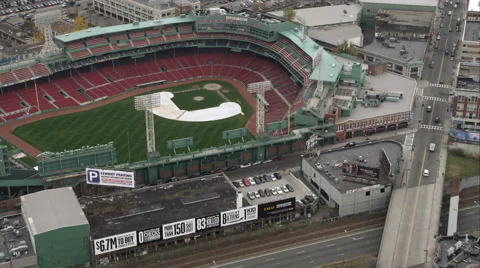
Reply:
x=121, y=123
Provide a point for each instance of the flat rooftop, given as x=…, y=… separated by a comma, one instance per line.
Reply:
x=385, y=82
x=335, y=35
x=472, y=31
x=463, y=260
x=429, y=3
x=327, y=15
x=415, y=49
x=8, y=239
x=125, y=212
x=405, y=17
x=474, y=5
x=332, y=161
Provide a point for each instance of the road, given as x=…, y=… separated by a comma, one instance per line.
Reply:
x=315, y=254
x=409, y=231
x=468, y=220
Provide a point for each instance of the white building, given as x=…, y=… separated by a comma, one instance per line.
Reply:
x=144, y=10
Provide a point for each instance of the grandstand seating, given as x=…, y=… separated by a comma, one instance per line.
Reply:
x=108, y=80
x=39, y=70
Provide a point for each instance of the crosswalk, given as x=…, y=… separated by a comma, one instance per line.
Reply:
x=431, y=127
x=435, y=98
x=440, y=85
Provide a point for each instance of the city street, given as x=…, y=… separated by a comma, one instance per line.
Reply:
x=316, y=254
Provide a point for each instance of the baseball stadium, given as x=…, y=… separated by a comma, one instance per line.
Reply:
x=183, y=97
x=226, y=89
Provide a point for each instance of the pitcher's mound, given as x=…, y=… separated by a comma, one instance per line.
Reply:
x=212, y=86
x=198, y=98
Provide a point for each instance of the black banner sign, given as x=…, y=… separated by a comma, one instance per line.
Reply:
x=149, y=235
x=207, y=223
x=276, y=207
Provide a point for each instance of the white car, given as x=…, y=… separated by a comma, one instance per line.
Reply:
x=251, y=195
x=257, y=195
x=274, y=191
x=285, y=189
x=251, y=180
x=279, y=191
x=426, y=173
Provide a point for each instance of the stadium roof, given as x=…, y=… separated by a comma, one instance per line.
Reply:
x=308, y=45
x=167, y=203
x=327, y=15
x=52, y=209
x=94, y=31
x=428, y=3
x=330, y=69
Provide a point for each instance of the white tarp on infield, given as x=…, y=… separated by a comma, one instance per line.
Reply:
x=169, y=110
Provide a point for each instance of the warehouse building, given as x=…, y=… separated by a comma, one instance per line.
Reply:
x=370, y=8
x=58, y=228
x=357, y=180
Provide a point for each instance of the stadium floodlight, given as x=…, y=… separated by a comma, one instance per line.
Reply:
x=147, y=103
x=260, y=88
x=317, y=64
x=44, y=21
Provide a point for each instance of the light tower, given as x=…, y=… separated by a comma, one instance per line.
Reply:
x=316, y=63
x=147, y=103
x=44, y=21
x=260, y=88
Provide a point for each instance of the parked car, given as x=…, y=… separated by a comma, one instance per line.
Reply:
x=257, y=195
x=268, y=192
x=278, y=190
x=310, y=198
x=274, y=191
x=252, y=181
x=257, y=180
x=350, y=144
x=268, y=178
x=285, y=189
x=277, y=175
x=261, y=193
x=246, y=182
x=251, y=195
x=262, y=179
x=290, y=187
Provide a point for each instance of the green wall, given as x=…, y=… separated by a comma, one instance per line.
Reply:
x=65, y=247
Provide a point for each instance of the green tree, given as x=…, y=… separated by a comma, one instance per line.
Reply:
x=80, y=24
x=346, y=48
x=289, y=14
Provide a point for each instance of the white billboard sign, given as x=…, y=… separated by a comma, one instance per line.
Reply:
x=178, y=228
x=115, y=242
x=239, y=215
x=110, y=178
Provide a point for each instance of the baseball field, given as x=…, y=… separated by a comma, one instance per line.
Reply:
x=121, y=123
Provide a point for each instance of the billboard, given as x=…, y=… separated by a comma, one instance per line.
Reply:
x=178, y=228
x=149, y=235
x=115, y=242
x=276, y=207
x=110, y=178
x=208, y=222
x=354, y=169
x=239, y=215
x=465, y=136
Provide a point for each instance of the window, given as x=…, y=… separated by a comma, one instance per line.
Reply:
x=459, y=106
x=367, y=193
x=461, y=98
x=382, y=190
x=459, y=114
x=471, y=107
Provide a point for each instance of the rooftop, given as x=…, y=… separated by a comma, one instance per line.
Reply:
x=9, y=239
x=384, y=82
x=429, y=3
x=336, y=35
x=330, y=69
x=474, y=5
x=407, y=19
x=52, y=209
x=94, y=31
x=472, y=31
x=415, y=49
x=22, y=174
x=119, y=213
x=467, y=255
x=327, y=15
x=331, y=161
x=307, y=45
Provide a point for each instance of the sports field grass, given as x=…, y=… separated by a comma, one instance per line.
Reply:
x=121, y=123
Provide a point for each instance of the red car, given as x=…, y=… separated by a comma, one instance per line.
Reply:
x=246, y=182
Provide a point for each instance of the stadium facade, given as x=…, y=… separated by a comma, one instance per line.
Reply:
x=248, y=47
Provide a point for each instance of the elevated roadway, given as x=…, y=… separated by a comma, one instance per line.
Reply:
x=414, y=212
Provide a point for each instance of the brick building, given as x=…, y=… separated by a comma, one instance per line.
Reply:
x=466, y=109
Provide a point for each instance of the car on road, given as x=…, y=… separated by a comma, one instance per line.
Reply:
x=350, y=144
x=441, y=25
x=437, y=120
x=426, y=173
x=446, y=52
x=429, y=108
x=450, y=29
x=449, y=13
x=439, y=37
x=441, y=82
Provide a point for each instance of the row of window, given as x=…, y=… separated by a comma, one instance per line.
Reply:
x=374, y=121
x=469, y=98
x=470, y=107
x=467, y=116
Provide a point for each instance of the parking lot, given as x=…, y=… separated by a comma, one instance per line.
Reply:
x=272, y=189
